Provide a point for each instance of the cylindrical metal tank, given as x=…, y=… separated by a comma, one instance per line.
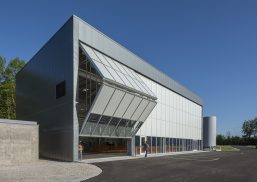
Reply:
x=209, y=132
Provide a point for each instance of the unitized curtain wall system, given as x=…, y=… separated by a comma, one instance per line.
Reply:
x=121, y=104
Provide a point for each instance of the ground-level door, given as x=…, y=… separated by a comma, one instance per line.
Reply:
x=94, y=147
x=142, y=143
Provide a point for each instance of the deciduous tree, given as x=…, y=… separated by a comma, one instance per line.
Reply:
x=7, y=86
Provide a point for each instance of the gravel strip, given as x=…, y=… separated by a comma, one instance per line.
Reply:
x=48, y=171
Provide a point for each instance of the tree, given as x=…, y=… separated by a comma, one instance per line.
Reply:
x=7, y=86
x=249, y=128
x=220, y=140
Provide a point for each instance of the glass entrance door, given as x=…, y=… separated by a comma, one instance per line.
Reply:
x=142, y=142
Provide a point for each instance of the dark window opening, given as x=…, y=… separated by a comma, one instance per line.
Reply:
x=60, y=90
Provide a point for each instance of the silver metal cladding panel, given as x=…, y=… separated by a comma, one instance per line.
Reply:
x=147, y=111
x=127, y=99
x=114, y=102
x=36, y=99
x=209, y=131
x=103, y=99
x=140, y=109
x=132, y=107
x=101, y=42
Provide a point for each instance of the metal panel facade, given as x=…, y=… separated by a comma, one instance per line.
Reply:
x=132, y=107
x=58, y=61
x=140, y=109
x=123, y=105
x=101, y=42
x=114, y=102
x=103, y=99
x=147, y=111
x=36, y=94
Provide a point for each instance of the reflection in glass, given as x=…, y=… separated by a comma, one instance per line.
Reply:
x=110, y=128
x=129, y=128
x=120, y=130
x=137, y=145
x=167, y=145
x=154, y=145
x=91, y=123
x=89, y=83
x=101, y=125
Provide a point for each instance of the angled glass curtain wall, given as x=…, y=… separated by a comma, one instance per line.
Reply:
x=107, y=126
x=89, y=83
x=117, y=72
x=116, y=111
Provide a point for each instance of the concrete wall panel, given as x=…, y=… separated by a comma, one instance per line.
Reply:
x=18, y=142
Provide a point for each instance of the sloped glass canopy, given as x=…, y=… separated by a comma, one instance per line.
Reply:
x=119, y=101
x=116, y=72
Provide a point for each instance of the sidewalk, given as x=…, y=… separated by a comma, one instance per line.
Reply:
x=108, y=159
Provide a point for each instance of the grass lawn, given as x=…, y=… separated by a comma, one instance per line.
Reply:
x=227, y=148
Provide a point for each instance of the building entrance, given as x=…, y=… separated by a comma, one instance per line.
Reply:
x=103, y=147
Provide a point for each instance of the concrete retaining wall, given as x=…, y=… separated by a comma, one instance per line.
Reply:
x=18, y=142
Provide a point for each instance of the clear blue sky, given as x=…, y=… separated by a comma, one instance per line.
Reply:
x=208, y=46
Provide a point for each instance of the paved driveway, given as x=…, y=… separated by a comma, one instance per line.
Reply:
x=238, y=166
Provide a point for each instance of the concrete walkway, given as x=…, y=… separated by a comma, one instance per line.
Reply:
x=119, y=158
x=48, y=171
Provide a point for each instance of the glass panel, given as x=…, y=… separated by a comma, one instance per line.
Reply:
x=154, y=145
x=85, y=65
x=91, y=123
x=176, y=145
x=167, y=145
x=133, y=83
x=124, y=78
x=94, y=145
x=149, y=142
x=120, y=67
x=112, y=63
x=138, y=126
x=115, y=75
x=140, y=86
x=129, y=128
x=90, y=52
x=180, y=145
x=112, y=125
x=101, y=125
x=127, y=71
x=137, y=144
x=87, y=88
x=103, y=70
x=121, y=129
x=158, y=149
x=101, y=57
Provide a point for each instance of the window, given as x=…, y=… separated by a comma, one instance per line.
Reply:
x=60, y=90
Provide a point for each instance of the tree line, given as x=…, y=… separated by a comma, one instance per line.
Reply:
x=249, y=137
x=8, y=71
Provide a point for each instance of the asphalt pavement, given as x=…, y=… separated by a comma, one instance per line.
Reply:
x=238, y=166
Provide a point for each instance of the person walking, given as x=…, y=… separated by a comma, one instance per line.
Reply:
x=80, y=150
x=146, y=148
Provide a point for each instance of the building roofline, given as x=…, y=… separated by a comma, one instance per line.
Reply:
x=197, y=99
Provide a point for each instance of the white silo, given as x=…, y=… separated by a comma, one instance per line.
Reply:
x=209, y=132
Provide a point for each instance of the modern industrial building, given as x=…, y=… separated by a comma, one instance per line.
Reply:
x=82, y=86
